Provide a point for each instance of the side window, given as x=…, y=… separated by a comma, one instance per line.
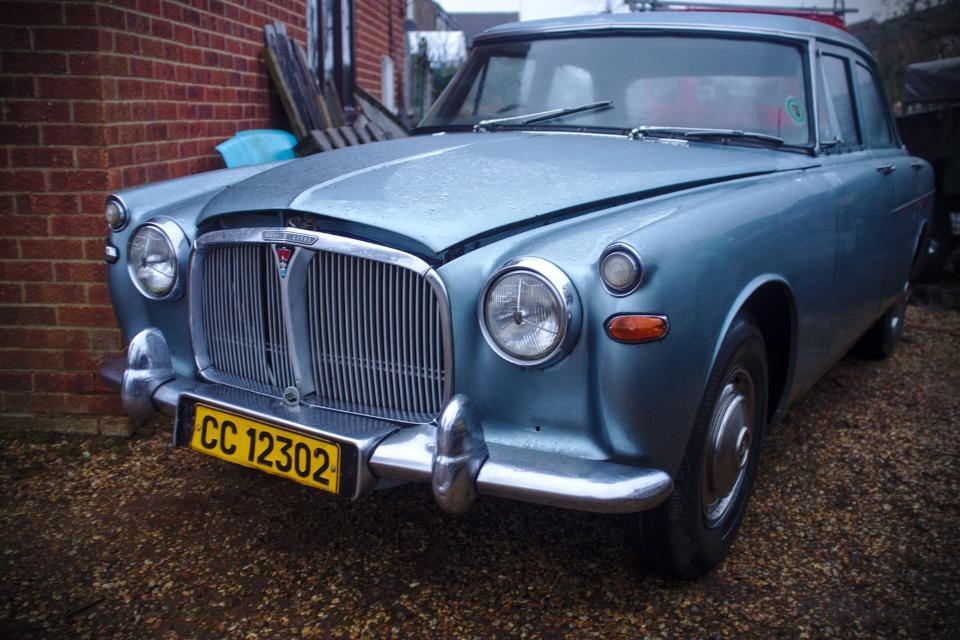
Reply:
x=837, y=118
x=876, y=129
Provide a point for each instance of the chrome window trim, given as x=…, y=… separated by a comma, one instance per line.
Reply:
x=181, y=249
x=562, y=287
x=311, y=241
x=630, y=252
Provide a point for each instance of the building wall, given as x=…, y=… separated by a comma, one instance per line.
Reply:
x=379, y=31
x=95, y=97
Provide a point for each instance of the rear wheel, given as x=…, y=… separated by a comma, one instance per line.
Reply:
x=691, y=532
x=881, y=340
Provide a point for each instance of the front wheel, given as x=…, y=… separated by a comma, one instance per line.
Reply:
x=691, y=532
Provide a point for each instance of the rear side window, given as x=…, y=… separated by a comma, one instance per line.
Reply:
x=876, y=129
x=838, y=124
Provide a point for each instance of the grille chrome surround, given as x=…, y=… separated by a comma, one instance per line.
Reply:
x=354, y=326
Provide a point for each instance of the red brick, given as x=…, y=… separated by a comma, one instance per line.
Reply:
x=96, y=180
x=55, y=293
x=30, y=359
x=80, y=271
x=19, y=181
x=15, y=381
x=32, y=63
x=26, y=315
x=95, y=404
x=75, y=381
x=30, y=12
x=22, y=226
x=34, y=402
x=11, y=293
x=83, y=226
x=42, y=157
x=84, y=64
x=81, y=14
x=19, y=134
x=26, y=271
x=85, y=316
x=51, y=248
x=106, y=340
x=46, y=203
x=69, y=88
x=64, y=39
x=17, y=87
x=72, y=134
x=98, y=293
x=36, y=111
x=89, y=112
x=44, y=338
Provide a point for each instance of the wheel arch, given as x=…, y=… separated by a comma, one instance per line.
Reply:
x=770, y=300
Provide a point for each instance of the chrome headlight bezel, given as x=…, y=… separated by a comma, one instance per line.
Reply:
x=628, y=252
x=124, y=211
x=566, y=295
x=178, y=244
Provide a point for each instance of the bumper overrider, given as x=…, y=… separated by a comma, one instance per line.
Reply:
x=451, y=453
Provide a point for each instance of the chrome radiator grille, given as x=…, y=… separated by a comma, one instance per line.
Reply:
x=350, y=326
x=243, y=317
x=374, y=335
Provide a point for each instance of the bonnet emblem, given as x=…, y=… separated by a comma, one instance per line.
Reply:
x=284, y=255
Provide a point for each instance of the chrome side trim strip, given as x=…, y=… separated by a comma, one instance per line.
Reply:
x=917, y=200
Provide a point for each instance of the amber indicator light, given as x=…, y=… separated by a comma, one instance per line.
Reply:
x=634, y=329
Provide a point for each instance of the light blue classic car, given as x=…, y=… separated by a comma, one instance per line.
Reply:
x=617, y=250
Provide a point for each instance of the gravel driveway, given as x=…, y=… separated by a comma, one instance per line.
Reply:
x=853, y=531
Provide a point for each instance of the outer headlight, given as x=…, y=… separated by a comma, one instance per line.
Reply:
x=116, y=213
x=530, y=312
x=153, y=261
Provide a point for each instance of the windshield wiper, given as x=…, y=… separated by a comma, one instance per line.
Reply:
x=530, y=118
x=697, y=133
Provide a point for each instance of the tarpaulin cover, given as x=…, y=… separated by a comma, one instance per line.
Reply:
x=934, y=81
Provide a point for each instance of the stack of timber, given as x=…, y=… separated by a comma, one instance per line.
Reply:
x=315, y=114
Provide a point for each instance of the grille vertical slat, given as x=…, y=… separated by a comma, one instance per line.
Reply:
x=242, y=317
x=374, y=329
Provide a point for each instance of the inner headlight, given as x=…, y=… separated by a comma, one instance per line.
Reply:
x=152, y=260
x=529, y=312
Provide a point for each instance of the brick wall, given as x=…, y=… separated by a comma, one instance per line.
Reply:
x=94, y=97
x=379, y=31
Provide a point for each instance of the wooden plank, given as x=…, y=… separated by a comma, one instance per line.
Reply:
x=316, y=103
x=314, y=142
x=360, y=128
x=348, y=133
x=332, y=99
x=376, y=132
x=286, y=97
x=379, y=114
x=336, y=138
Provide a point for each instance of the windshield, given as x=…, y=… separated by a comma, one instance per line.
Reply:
x=669, y=81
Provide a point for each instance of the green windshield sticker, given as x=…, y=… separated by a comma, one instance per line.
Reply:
x=795, y=110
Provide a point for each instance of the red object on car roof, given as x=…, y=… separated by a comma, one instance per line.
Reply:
x=830, y=16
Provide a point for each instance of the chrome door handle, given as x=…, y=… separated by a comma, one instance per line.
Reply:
x=917, y=165
x=886, y=169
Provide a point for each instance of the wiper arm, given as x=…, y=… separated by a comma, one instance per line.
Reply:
x=691, y=132
x=530, y=118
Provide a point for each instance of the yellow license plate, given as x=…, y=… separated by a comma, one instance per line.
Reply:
x=251, y=443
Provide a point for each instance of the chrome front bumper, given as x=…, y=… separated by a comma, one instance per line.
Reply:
x=452, y=454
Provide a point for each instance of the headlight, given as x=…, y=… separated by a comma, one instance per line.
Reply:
x=530, y=312
x=153, y=261
x=116, y=213
x=620, y=269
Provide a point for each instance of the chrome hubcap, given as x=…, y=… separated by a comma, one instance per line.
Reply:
x=728, y=447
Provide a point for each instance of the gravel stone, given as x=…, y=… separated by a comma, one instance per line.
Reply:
x=852, y=532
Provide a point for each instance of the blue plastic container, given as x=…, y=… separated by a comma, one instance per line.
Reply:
x=257, y=146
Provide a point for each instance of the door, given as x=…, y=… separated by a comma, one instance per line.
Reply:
x=902, y=178
x=860, y=201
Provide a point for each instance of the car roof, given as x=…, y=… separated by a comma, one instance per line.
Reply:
x=737, y=22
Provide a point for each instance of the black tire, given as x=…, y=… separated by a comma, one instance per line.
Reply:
x=681, y=537
x=934, y=250
x=881, y=340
